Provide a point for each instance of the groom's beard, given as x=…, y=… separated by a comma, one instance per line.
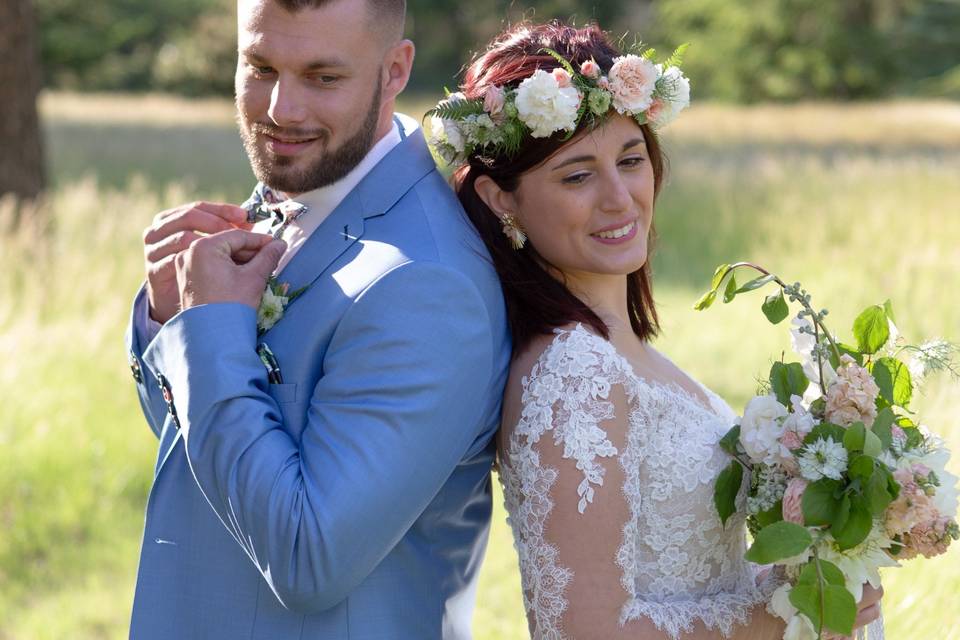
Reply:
x=278, y=172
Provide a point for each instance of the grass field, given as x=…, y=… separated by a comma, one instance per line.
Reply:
x=860, y=203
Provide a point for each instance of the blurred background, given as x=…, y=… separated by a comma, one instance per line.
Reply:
x=824, y=143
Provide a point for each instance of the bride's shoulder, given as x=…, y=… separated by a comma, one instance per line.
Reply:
x=570, y=352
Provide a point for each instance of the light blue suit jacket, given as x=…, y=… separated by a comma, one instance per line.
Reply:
x=353, y=500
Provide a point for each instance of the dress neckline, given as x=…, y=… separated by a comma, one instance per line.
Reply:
x=669, y=386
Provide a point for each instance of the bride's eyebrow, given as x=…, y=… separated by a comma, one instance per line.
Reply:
x=629, y=145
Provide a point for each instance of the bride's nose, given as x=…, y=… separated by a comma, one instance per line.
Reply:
x=615, y=196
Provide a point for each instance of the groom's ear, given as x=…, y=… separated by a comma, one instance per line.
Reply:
x=497, y=200
x=397, y=65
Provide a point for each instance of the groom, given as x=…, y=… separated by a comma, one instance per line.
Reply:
x=326, y=476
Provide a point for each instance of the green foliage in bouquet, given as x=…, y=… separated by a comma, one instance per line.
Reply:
x=846, y=456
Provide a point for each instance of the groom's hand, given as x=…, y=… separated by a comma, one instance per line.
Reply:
x=172, y=232
x=230, y=266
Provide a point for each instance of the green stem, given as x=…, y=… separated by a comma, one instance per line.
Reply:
x=817, y=323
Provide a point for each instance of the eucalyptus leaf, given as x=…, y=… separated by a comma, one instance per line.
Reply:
x=871, y=329
x=718, y=275
x=775, y=308
x=882, y=427
x=779, y=541
x=862, y=468
x=878, y=493
x=831, y=573
x=771, y=515
x=872, y=445
x=845, y=349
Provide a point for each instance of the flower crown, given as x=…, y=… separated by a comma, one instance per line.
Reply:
x=551, y=101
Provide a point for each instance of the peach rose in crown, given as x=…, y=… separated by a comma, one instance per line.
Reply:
x=563, y=77
x=632, y=82
x=590, y=69
x=494, y=100
x=793, y=500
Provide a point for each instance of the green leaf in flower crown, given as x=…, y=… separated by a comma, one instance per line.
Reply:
x=559, y=58
x=725, y=490
x=857, y=527
x=731, y=291
x=894, y=379
x=820, y=502
x=839, y=607
x=456, y=109
x=676, y=58
x=871, y=329
x=775, y=308
x=729, y=441
x=787, y=380
x=756, y=283
x=779, y=541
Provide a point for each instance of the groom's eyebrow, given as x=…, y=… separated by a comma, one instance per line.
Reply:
x=323, y=63
x=629, y=145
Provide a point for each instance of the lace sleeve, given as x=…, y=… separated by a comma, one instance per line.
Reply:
x=598, y=557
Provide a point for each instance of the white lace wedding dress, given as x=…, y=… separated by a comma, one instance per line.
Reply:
x=675, y=564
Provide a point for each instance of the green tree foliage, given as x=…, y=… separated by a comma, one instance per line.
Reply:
x=741, y=51
x=796, y=49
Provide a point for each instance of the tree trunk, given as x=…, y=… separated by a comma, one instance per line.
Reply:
x=21, y=156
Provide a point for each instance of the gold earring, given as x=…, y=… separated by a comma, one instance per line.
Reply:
x=511, y=229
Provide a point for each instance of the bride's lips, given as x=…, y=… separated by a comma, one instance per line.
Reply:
x=287, y=146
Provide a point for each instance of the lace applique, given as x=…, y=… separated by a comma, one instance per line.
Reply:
x=678, y=563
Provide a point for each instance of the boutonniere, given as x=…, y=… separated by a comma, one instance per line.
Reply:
x=276, y=298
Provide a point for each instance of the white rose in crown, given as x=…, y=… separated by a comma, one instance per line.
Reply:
x=761, y=428
x=545, y=106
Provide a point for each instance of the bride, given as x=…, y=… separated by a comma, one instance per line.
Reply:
x=608, y=451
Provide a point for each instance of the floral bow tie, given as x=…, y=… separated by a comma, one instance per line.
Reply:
x=265, y=204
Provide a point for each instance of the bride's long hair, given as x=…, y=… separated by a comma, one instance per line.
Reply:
x=536, y=301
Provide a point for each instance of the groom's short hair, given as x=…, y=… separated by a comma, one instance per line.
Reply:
x=390, y=14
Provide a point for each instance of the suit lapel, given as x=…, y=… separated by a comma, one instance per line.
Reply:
x=377, y=192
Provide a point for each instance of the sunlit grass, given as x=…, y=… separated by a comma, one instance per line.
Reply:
x=858, y=203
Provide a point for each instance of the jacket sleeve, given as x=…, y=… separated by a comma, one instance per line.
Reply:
x=406, y=379
x=139, y=334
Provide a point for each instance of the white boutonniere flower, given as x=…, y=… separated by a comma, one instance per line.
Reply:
x=276, y=298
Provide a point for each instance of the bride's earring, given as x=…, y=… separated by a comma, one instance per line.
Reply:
x=511, y=229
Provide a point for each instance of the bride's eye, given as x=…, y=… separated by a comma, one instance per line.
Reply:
x=576, y=178
x=632, y=161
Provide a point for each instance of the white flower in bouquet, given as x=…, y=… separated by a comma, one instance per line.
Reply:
x=545, y=106
x=862, y=563
x=761, y=428
x=853, y=396
x=823, y=459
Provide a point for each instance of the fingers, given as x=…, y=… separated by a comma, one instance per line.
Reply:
x=237, y=241
x=867, y=615
x=173, y=243
x=266, y=261
x=205, y=217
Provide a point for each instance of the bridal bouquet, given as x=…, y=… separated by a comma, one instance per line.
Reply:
x=843, y=481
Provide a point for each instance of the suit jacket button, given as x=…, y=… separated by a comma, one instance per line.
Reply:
x=135, y=368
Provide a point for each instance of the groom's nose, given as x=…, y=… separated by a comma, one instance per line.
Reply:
x=287, y=102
